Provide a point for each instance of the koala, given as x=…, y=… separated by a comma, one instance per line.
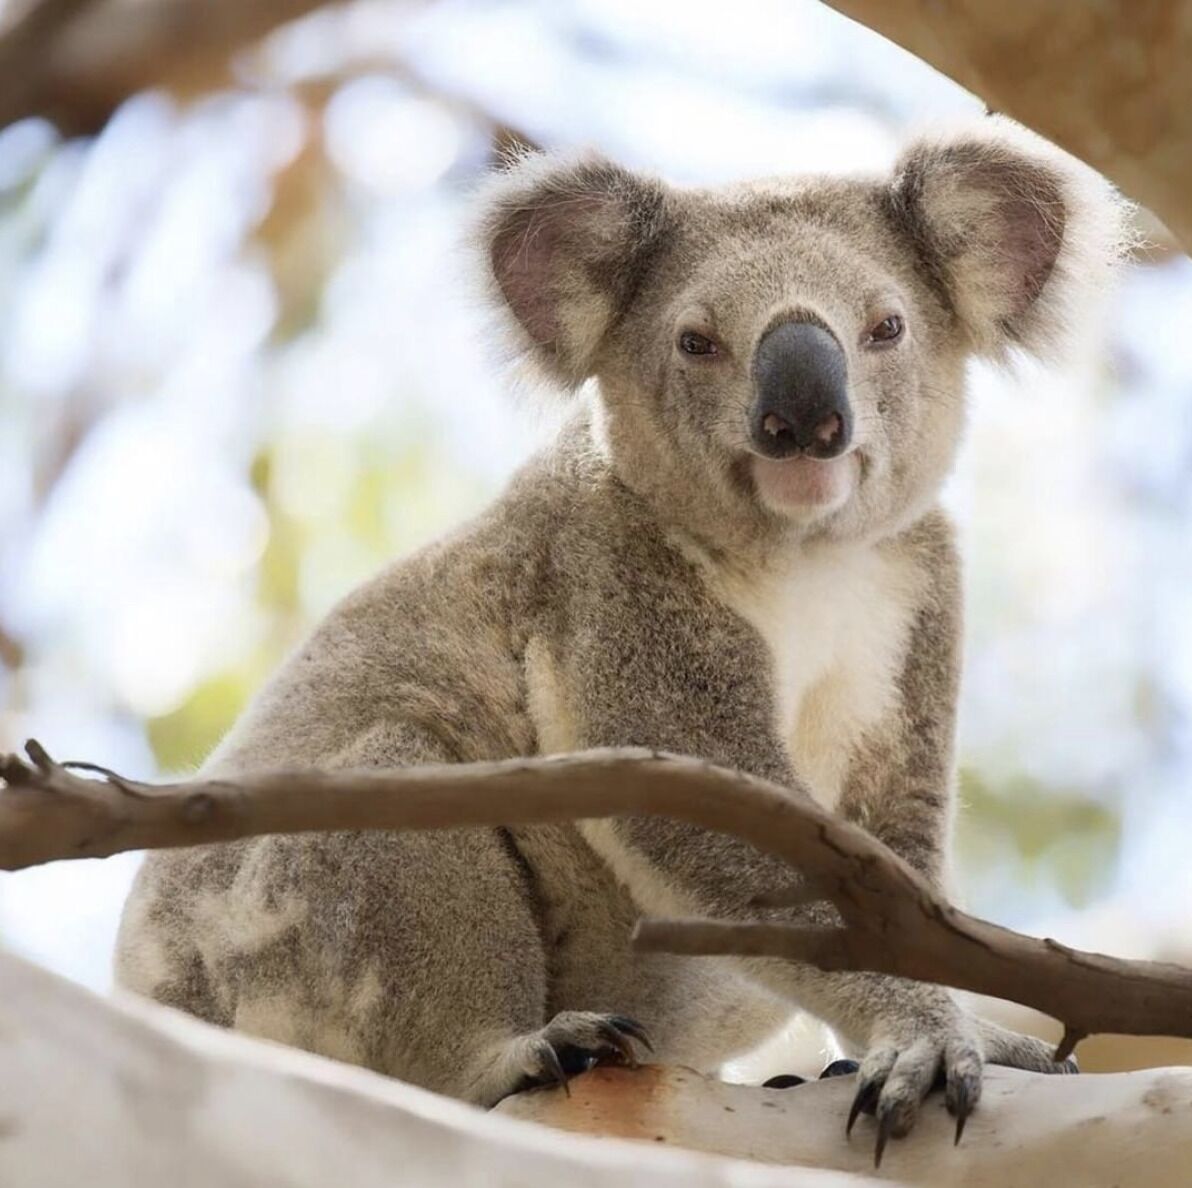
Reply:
x=733, y=550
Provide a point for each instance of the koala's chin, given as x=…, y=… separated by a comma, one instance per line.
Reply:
x=802, y=488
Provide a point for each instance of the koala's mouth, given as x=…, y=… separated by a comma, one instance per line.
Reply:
x=805, y=486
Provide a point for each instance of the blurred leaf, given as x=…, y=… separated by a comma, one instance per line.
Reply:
x=182, y=740
x=1036, y=834
x=259, y=472
x=279, y=567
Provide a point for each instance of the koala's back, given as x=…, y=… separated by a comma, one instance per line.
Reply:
x=371, y=947
x=420, y=665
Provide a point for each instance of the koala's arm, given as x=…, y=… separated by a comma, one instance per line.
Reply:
x=899, y=782
x=660, y=663
x=412, y=667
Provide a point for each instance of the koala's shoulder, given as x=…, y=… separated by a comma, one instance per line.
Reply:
x=561, y=510
x=932, y=548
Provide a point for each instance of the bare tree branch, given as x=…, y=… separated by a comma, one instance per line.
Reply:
x=36, y=23
x=894, y=922
x=1087, y=992
x=24, y=46
x=1109, y=82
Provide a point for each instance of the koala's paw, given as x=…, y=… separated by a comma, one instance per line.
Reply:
x=949, y=1054
x=575, y=1041
x=906, y=1063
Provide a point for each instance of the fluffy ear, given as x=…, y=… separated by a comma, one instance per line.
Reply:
x=565, y=244
x=1017, y=237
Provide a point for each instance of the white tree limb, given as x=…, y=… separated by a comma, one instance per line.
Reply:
x=128, y=1094
x=1100, y=1131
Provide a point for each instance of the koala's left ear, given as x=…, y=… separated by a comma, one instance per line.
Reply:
x=565, y=244
x=1017, y=237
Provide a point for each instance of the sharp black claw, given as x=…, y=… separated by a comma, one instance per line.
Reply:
x=618, y=1041
x=554, y=1068
x=840, y=1068
x=964, y=1091
x=784, y=1081
x=632, y=1027
x=863, y=1102
x=884, y=1128
x=853, y=1112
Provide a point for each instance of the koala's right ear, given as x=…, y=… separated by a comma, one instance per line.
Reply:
x=565, y=244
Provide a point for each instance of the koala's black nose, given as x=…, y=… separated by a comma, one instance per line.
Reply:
x=801, y=405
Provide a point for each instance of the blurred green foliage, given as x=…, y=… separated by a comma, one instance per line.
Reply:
x=1035, y=837
x=181, y=740
x=394, y=497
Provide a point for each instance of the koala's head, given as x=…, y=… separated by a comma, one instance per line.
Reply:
x=786, y=357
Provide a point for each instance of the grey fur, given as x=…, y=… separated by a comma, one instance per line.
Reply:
x=632, y=587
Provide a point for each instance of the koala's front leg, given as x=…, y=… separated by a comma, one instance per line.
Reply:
x=899, y=786
x=661, y=664
x=910, y=1035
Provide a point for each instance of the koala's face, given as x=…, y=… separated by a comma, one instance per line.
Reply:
x=787, y=356
x=783, y=345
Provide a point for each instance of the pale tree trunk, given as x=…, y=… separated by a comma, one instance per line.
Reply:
x=1095, y=1132
x=127, y=1094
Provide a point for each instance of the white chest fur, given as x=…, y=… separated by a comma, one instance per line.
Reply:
x=836, y=622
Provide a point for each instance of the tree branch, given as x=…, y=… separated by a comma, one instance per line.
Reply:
x=894, y=921
x=12, y=654
x=111, y=1091
x=1087, y=992
x=1109, y=82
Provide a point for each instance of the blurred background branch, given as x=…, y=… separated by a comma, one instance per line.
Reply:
x=75, y=61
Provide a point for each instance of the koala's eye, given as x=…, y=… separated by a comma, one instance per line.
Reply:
x=691, y=343
x=887, y=330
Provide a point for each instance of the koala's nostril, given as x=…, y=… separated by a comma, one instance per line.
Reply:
x=774, y=425
x=829, y=429
x=829, y=436
x=826, y=438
